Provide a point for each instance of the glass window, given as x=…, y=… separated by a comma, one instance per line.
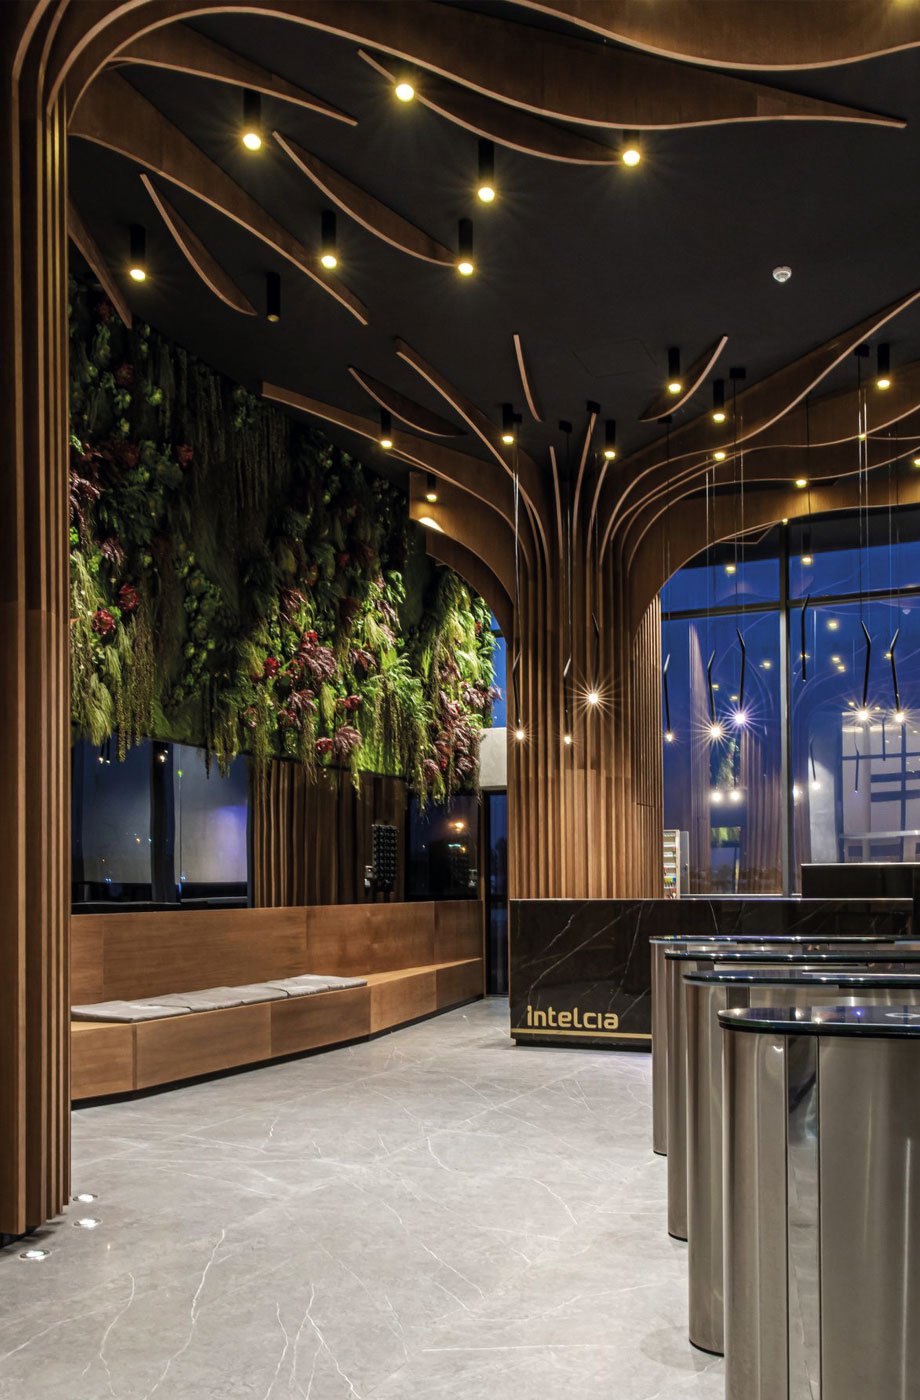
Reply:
x=500, y=662
x=732, y=574
x=212, y=820
x=856, y=769
x=496, y=888
x=111, y=824
x=443, y=844
x=849, y=554
x=723, y=763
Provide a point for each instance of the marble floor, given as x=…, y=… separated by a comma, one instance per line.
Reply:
x=430, y=1216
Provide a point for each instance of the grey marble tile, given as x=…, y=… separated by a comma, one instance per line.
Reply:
x=431, y=1213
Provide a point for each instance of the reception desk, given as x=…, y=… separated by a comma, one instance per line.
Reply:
x=580, y=970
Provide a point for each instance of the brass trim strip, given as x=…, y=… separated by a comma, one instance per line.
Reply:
x=594, y=1035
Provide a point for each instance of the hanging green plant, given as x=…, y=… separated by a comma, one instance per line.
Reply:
x=239, y=582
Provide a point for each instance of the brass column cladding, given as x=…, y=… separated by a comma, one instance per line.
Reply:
x=34, y=657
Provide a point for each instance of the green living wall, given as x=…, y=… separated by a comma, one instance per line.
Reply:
x=238, y=582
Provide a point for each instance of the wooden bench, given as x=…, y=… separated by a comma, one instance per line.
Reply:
x=417, y=959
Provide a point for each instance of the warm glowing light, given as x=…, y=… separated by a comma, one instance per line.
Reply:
x=431, y=497
x=520, y=735
x=486, y=193
x=796, y=792
x=766, y=664
x=719, y=456
x=329, y=261
x=836, y=660
x=631, y=155
x=785, y=520
x=674, y=386
x=459, y=826
x=734, y=795
x=386, y=443
x=465, y=267
x=815, y=785
x=715, y=730
x=609, y=454
x=567, y=739
x=669, y=736
x=917, y=461
x=883, y=382
x=593, y=698
x=252, y=140
x=832, y=625
x=404, y=91
x=137, y=273
x=718, y=415
x=863, y=716
x=508, y=439
x=840, y=666
x=807, y=560
x=900, y=717
x=801, y=482
x=430, y=523
x=716, y=795
x=730, y=569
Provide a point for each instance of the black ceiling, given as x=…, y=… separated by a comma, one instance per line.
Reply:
x=599, y=270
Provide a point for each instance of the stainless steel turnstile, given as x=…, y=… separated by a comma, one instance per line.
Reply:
x=822, y=1203
x=706, y=994
x=883, y=957
x=658, y=948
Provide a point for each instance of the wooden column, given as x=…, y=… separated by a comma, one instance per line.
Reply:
x=586, y=816
x=34, y=663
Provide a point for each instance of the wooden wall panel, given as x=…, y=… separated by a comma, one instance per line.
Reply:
x=183, y=1046
x=460, y=983
x=459, y=930
x=148, y=954
x=403, y=999
x=312, y=840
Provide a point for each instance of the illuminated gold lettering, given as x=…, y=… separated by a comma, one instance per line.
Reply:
x=565, y=1018
x=539, y=1018
x=611, y=1021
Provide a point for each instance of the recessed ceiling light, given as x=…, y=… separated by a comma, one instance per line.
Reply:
x=801, y=482
x=719, y=456
x=782, y=274
x=404, y=91
x=631, y=152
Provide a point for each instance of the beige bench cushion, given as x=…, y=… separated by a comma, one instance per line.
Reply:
x=125, y=1011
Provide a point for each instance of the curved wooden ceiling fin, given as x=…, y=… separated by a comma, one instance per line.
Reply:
x=415, y=415
x=780, y=34
x=758, y=408
x=692, y=379
x=83, y=240
x=506, y=126
x=114, y=114
x=529, y=396
x=557, y=495
x=533, y=487
x=201, y=261
x=593, y=413
x=379, y=219
x=183, y=50
x=457, y=468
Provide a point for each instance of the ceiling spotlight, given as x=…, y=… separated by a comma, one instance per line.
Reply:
x=431, y=490
x=916, y=462
x=782, y=274
x=801, y=482
x=767, y=664
x=807, y=560
x=404, y=90
x=675, y=386
x=251, y=135
x=669, y=736
x=631, y=152
x=593, y=697
x=718, y=401
x=832, y=624
x=385, y=439
x=465, y=265
x=508, y=421
x=272, y=297
x=841, y=666
x=863, y=715
x=329, y=247
x=883, y=365
x=137, y=267
x=731, y=568
x=719, y=456
x=486, y=187
x=716, y=731
x=610, y=439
